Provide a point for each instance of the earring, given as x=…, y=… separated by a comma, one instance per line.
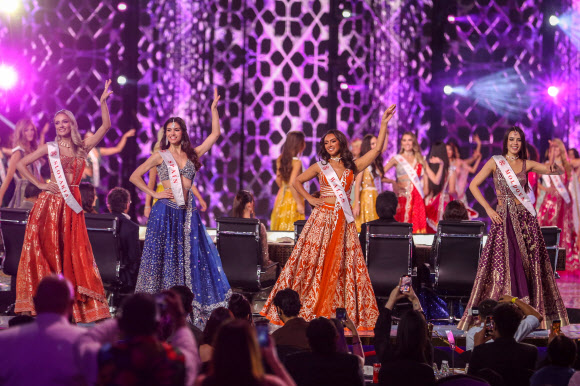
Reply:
x=166, y=141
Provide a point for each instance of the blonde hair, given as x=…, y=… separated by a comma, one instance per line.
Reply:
x=416, y=147
x=20, y=138
x=157, y=146
x=78, y=146
x=563, y=154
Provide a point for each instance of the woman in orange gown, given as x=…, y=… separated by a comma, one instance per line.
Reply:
x=327, y=267
x=56, y=239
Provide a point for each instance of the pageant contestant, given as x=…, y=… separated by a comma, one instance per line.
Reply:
x=289, y=205
x=438, y=196
x=557, y=207
x=56, y=239
x=178, y=250
x=575, y=190
x=514, y=260
x=413, y=174
x=25, y=143
x=462, y=168
x=365, y=187
x=327, y=267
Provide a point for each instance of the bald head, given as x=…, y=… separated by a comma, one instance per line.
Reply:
x=54, y=294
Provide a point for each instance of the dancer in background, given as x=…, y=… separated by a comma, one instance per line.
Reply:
x=462, y=168
x=365, y=187
x=56, y=239
x=178, y=250
x=413, y=174
x=557, y=207
x=355, y=147
x=25, y=143
x=289, y=205
x=514, y=260
x=327, y=267
x=438, y=196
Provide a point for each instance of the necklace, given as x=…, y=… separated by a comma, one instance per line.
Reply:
x=337, y=159
x=64, y=144
x=512, y=158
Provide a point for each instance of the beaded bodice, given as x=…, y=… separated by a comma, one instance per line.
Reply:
x=501, y=185
x=72, y=165
x=346, y=180
x=188, y=171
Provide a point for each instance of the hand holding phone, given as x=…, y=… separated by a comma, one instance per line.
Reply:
x=489, y=326
x=341, y=313
x=556, y=324
x=405, y=286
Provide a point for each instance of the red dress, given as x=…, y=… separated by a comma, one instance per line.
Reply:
x=56, y=242
x=411, y=206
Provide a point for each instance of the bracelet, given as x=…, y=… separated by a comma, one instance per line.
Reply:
x=514, y=300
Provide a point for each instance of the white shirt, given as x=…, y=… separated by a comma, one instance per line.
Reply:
x=527, y=325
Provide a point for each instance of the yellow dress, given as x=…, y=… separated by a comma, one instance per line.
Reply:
x=158, y=189
x=285, y=211
x=368, y=200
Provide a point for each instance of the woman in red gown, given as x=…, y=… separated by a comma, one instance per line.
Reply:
x=56, y=239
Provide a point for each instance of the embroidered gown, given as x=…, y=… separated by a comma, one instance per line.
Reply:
x=435, y=206
x=368, y=199
x=411, y=205
x=56, y=242
x=514, y=260
x=178, y=251
x=285, y=211
x=327, y=267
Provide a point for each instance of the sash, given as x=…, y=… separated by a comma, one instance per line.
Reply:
x=56, y=166
x=96, y=168
x=411, y=173
x=558, y=184
x=516, y=188
x=338, y=190
x=2, y=169
x=174, y=176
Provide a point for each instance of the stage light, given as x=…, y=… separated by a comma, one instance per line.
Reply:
x=448, y=90
x=9, y=6
x=554, y=20
x=344, y=86
x=451, y=19
x=122, y=7
x=121, y=80
x=553, y=91
x=346, y=14
x=8, y=77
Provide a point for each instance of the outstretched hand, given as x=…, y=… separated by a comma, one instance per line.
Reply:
x=130, y=133
x=216, y=98
x=106, y=92
x=388, y=114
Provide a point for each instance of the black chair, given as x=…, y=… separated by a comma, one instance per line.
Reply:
x=298, y=227
x=103, y=231
x=458, y=246
x=238, y=243
x=552, y=239
x=389, y=255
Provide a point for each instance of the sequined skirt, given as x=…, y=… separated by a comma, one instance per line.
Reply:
x=368, y=210
x=178, y=251
x=285, y=211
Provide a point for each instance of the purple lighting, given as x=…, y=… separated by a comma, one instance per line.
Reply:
x=553, y=91
x=8, y=77
x=122, y=7
x=451, y=19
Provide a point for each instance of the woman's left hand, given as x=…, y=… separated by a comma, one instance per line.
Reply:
x=203, y=204
x=216, y=98
x=106, y=92
x=349, y=324
x=130, y=133
x=388, y=114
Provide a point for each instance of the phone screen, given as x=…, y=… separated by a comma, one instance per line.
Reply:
x=405, y=283
x=450, y=337
x=341, y=313
x=262, y=331
x=489, y=325
x=556, y=327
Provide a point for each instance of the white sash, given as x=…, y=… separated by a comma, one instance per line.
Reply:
x=174, y=176
x=56, y=166
x=411, y=173
x=516, y=188
x=558, y=184
x=96, y=168
x=338, y=190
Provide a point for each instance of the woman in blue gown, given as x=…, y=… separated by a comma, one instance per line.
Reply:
x=178, y=250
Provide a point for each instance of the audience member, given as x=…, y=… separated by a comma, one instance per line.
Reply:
x=561, y=356
x=237, y=359
x=514, y=361
x=42, y=352
x=342, y=346
x=455, y=211
x=187, y=298
x=88, y=197
x=240, y=307
x=118, y=203
x=529, y=323
x=386, y=205
x=141, y=356
x=324, y=365
x=293, y=332
x=31, y=193
x=217, y=318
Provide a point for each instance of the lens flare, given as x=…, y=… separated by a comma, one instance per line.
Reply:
x=8, y=77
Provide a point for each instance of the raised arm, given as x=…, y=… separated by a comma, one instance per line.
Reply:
x=137, y=177
x=43, y=132
x=14, y=159
x=435, y=178
x=309, y=174
x=106, y=125
x=476, y=153
x=215, y=127
x=473, y=169
x=120, y=146
x=367, y=159
x=487, y=169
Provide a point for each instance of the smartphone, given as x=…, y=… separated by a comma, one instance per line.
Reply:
x=263, y=333
x=405, y=284
x=556, y=327
x=489, y=325
x=341, y=313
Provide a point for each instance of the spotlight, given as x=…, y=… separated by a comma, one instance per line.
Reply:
x=346, y=14
x=451, y=19
x=553, y=91
x=344, y=86
x=122, y=7
x=448, y=90
x=8, y=77
x=554, y=20
x=121, y=80
x=9, y=6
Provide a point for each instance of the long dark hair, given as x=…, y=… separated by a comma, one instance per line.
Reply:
x=217, y=318
x=453, y=144
x=438, y=149
x=185, y=141
x=412, y=338
x=345, y=154
x=240, y=202
x=377, y=164
x=523, y=153
x=293, y=145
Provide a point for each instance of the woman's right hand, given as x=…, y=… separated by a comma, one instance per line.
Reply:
x=167, y=193
x=300, y=208
x=147, y=211
x=356, y=210
x=49, y=187
x=315, y=202
x=494, y=216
